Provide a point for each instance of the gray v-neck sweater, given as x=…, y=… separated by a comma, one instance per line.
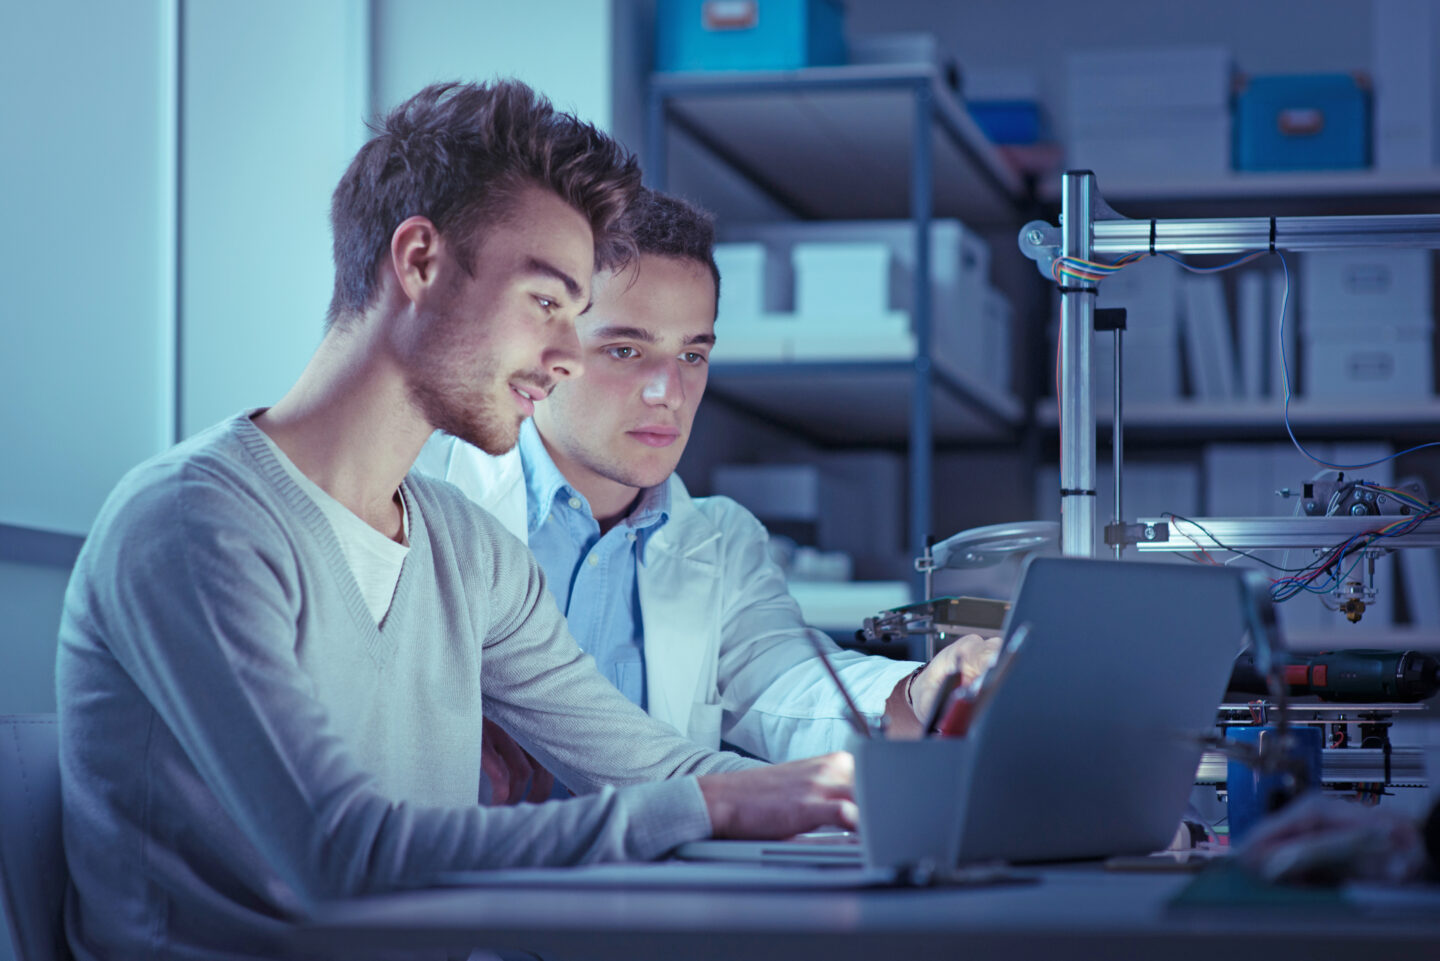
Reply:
x=239, y=738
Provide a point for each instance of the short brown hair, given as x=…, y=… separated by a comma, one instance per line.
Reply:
x=459, y=154
x=669, y=226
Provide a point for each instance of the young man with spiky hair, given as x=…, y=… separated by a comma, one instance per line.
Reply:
x=675, y=597
x=276, y=640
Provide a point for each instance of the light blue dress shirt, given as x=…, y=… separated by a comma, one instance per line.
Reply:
x=591, y=576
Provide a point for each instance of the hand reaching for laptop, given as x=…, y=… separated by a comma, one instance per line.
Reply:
x=782, y=800
x=513, y=774
x=971, y=655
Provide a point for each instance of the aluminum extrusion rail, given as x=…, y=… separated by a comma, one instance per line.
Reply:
x=1342, y=765
x=1276, y=533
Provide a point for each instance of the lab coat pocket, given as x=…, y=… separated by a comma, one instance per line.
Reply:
x=704, y=728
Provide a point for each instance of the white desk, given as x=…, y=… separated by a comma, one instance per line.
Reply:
x=1071, y=912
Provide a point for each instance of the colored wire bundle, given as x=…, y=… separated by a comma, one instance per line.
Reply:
x=1328, y=571
x=1075, y=268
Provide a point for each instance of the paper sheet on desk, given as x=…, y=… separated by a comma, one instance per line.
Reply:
x=713, y=876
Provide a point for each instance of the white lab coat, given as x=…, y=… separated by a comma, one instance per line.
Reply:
x=727, y=653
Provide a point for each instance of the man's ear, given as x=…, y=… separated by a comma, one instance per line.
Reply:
x=416, y=248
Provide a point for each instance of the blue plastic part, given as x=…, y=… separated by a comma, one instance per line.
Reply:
x=1302, y=122
x=1007, y=121
x=748, y=34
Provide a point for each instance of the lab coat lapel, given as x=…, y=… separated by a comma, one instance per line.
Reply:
x=500, y=482
x=680, y=602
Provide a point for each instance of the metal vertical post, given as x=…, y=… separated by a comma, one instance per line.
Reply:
x=1077, y=332
x=921, y=198
x=656, y=162
x=1117, y=435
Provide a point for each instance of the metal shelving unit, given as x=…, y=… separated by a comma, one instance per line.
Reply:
x=854, y=142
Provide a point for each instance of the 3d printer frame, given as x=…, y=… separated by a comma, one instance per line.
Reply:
x=1089, y=227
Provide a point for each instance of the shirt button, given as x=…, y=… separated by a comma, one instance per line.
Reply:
x=574, y=503
x=593, y=560
x=630, y=536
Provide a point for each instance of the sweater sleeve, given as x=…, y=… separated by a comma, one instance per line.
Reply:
x=193, y=590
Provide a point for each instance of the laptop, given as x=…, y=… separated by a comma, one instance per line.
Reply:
x=1089, y=747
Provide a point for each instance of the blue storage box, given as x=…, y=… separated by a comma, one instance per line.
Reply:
x=1302, y=122
x=1008, y=121
x=748, y=34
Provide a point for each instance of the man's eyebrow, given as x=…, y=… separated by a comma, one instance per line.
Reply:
x=534, y=265
x=619, y=332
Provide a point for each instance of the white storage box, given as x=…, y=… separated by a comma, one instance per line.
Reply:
x=959, y=258
x=845, y=285
x=1404, y=37
x=959, y=266
x=1149, y=291
x=983, y=350
x=996, y=336
x=1362, y=286
x=1152, y=144
x=1379, y=360
x=886, y=337
x=1149, y=113
x=1145, y=78
x=1152, y=369
x=788, y=337
x=742, y=282
x=772, y=491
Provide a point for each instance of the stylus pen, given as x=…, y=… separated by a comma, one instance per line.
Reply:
x=857, y=720
x=947, y=687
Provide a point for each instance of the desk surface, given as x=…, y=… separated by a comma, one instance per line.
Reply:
x=1070, y=912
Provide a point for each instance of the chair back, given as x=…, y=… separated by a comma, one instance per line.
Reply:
x=32, y=859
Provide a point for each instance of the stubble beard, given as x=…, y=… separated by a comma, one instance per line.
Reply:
x=460, y=403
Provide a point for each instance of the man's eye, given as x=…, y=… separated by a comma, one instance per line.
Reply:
x=692, y=357
x=546, y=303
x=622, y=353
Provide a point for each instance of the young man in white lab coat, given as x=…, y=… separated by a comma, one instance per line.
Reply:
x=675, y=597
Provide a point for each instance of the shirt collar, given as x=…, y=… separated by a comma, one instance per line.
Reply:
x=544, y=483
x=543, y=480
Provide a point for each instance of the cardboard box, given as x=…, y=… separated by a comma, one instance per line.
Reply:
x=748, y=34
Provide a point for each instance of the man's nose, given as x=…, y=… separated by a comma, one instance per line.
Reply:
x=562, y=358
x=664, y=388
